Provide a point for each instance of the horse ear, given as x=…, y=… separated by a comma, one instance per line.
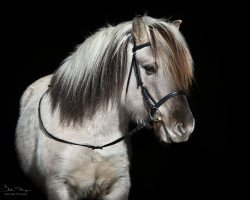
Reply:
x=177, y=23
x=139, y=31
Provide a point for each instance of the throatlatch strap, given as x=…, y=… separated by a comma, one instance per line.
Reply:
x=137, y=73
x=129, y=75
x=134, y=62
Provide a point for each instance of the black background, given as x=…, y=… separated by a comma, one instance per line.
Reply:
x=36, y=38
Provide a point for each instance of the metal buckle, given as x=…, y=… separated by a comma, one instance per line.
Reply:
x=159, y=118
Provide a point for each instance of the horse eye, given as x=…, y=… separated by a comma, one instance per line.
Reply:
x=150, y=69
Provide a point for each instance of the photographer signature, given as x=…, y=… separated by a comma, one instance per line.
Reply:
x=13, y=190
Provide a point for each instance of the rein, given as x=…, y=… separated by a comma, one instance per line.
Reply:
x=152, y=104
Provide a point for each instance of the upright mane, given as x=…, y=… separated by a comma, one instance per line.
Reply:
x=94, y=74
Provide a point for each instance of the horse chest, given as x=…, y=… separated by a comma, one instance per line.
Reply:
x=94, y=176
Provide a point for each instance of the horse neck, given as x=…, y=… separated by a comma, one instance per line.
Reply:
x=108, y=122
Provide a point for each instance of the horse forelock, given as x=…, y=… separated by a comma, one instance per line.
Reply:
x=171, y=53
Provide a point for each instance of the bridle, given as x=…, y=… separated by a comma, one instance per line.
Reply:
x=152, y=104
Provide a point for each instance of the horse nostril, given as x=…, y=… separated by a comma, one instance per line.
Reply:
x=185, y=129
x=180, y=128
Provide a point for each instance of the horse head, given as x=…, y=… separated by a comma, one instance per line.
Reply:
x=163, y=65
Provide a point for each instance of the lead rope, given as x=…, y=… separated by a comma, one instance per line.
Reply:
x=135, y=130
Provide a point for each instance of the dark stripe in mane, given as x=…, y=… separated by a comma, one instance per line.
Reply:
x=95, y=86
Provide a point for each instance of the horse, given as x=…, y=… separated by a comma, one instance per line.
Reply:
x=71, y=135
